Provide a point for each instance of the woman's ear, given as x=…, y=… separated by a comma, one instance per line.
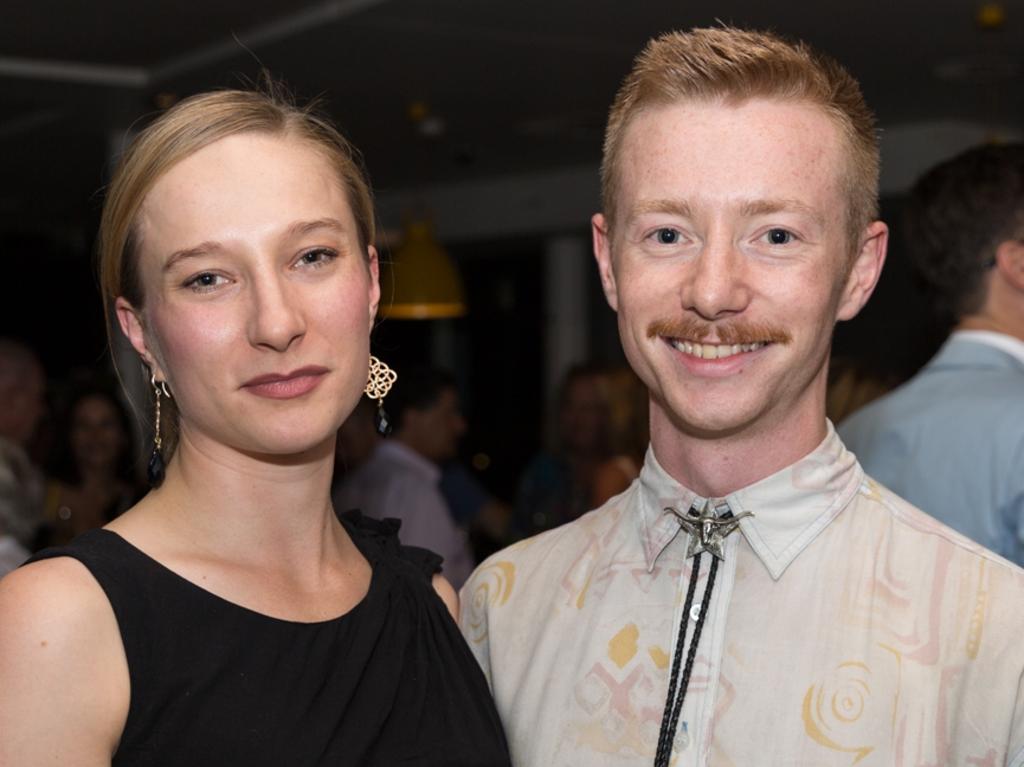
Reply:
x=373, y=264
x=130, y=320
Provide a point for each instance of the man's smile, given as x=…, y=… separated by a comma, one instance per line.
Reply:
x=709, y=351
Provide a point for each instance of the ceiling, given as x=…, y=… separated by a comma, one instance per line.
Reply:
x=507, y=85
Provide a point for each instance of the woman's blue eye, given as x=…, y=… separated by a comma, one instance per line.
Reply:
x=204, y=280
x=316, y=257
x=779, y=237
x=667, y=236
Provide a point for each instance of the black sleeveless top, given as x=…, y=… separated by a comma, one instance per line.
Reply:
x=390, y=683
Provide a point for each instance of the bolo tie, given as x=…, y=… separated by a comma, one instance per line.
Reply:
x=708, y=528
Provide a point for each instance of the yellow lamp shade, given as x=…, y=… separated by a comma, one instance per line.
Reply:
x=422, y=282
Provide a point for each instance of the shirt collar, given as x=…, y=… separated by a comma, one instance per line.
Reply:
x=398, y=452
x=1002, y=341
x=790, y=507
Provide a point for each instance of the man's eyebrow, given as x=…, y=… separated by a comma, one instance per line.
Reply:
x=769, y=206
x=676, y=207
x=298, y=229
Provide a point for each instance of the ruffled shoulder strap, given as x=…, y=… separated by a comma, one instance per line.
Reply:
x=379, y=539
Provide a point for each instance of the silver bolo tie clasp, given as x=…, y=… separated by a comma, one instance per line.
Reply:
x=708, y=527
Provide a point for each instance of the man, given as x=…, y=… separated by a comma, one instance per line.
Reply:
x=22, y=386
x=753, y=599
x=952, y=439
x=400, y=479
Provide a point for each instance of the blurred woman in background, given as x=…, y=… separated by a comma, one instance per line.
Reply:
x=629, y=434
x=92, y=475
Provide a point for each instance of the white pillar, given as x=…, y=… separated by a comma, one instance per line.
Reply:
x=567, y=265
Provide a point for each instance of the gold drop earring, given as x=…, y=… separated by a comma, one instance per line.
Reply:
x=379, y=382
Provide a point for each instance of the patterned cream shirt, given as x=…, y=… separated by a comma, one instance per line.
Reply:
x=845, y=627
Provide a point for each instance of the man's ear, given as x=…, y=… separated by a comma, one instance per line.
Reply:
x=603, y=254
x=130, y=320
x=1010, y=262
x=865, y=271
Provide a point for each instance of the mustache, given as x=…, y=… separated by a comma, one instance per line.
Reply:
x=726, y=332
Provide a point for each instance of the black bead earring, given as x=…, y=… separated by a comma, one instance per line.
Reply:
x=155, y=467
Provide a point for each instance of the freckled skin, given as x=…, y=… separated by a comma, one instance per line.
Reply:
x=266, y=310
x=733, y=174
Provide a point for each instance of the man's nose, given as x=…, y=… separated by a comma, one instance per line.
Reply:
x=715, y=284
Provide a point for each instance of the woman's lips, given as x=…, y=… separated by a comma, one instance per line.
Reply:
x=286, y=385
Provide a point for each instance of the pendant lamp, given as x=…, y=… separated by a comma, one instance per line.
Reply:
x=422, y=282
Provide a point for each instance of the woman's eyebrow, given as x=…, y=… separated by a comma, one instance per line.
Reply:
x=297, y=229
x=300, y=228
x=201, y=249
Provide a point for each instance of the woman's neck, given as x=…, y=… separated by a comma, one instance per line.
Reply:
x=270, y=512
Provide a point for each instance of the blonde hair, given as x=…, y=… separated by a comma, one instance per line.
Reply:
x=183, y=130
x=735, y=65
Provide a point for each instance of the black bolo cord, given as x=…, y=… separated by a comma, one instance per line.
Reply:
x=674, y=704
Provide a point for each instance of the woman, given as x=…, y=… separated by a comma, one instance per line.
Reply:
x=91, y=478
x=229, y=617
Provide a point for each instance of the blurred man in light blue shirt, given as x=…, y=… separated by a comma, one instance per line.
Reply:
x=951, y=440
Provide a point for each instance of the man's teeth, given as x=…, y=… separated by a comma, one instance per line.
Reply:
x=714, y=351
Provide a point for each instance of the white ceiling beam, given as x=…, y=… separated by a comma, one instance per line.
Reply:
x=263, y=34
x=73, y=72
x=140, y=77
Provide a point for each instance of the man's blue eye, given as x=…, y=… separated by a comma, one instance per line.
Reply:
x=780, y=237
x=667, y=236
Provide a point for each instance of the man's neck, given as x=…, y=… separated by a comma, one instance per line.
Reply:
x=714, y=466
x=1002, y=311
x=990, y=324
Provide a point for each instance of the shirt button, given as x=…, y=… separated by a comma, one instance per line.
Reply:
x=695, y=613
x=682, y=739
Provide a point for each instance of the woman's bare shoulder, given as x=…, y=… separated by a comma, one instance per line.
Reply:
x=446, y=591
x=61, y=660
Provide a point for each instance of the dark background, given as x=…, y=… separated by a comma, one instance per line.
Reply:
x=519, y=90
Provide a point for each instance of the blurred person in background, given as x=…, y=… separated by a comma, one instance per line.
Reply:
x=357, y=439
x=557, y=484
x=22, y=405
x=92, y=477
x=230, y=617
x=852, y=384
x=951, y=440
x=485, y=518
x=401, y=478
x=629, y=435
